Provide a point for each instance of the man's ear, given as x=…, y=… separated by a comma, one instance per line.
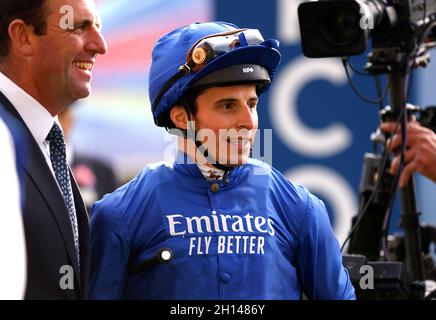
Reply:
x=20, y=34
x=179, y=117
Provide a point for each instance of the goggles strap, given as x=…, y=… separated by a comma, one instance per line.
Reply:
x=243, y=40
x=182, y=72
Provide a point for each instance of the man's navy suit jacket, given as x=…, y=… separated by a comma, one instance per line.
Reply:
x=50, y=247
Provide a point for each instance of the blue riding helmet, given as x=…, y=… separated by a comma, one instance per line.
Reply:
x=208, y=54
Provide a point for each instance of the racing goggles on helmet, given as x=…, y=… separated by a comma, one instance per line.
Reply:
x=209, y=48
x=212, y=46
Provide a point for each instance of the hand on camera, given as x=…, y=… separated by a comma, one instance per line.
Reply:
x=420, y=155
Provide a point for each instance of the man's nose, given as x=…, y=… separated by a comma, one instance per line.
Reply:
x=246, y=117
x=97, y=43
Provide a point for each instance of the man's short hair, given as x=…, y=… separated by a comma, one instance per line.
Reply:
x=32, y=12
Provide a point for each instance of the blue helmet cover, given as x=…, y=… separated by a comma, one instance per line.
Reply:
x=171, y=50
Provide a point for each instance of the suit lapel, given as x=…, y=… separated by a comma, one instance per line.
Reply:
x=41, y=175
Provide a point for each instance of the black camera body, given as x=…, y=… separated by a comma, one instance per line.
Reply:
x=341, y=28
x=401, y=32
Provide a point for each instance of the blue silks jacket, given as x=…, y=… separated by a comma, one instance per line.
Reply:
x=254, y=236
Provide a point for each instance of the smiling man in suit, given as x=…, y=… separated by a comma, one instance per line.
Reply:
x=45, y=66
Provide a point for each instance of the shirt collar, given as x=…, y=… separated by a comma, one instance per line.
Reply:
x=186, y=165
x=35, y=116
x=210, y=173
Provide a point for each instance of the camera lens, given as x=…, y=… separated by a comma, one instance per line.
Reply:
x=341, y=26
x=333, y=28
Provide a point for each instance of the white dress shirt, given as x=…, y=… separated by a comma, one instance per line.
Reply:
x=12, y=244
x=35, y=116
x=210, y=173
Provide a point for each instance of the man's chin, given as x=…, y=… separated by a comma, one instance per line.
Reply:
x=82, y=92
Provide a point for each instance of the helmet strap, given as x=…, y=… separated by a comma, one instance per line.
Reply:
x=199, y=145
